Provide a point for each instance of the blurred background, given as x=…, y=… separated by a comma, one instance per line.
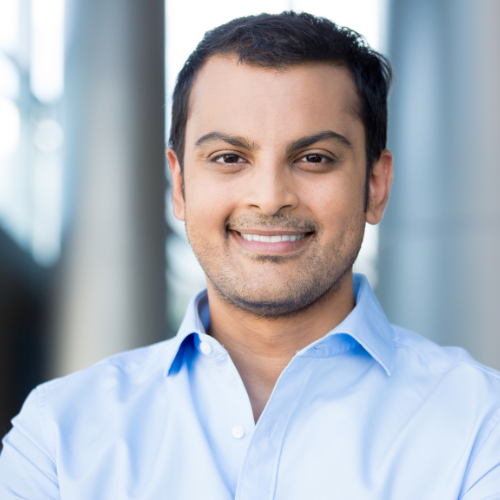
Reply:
x=92, y=261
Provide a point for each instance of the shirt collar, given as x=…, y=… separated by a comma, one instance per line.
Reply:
x=366, y=324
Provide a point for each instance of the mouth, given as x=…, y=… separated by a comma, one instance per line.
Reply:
x=276, y=242
x=273, y=239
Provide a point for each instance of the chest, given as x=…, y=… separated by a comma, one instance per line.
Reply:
x=321, y=436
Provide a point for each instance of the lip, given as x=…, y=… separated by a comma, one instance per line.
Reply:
x=260, y=232
x=262, y=248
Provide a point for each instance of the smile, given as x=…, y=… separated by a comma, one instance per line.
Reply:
x=273, y=239
x=272, y=242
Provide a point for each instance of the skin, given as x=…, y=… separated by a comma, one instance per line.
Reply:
x=275, y=152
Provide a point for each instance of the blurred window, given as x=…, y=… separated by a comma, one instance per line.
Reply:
x=31, y=136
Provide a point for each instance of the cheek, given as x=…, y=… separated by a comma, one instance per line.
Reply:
x=208, y=205
x=334, y=201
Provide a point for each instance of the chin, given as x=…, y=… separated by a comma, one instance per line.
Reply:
x=270, y=301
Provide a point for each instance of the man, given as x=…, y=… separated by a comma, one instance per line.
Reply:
x=285, y=380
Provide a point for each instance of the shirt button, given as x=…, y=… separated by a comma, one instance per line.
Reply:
x=205, y=348
x=238, y=431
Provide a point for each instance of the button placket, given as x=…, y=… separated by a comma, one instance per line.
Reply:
x=257, y=478
x=237, y=424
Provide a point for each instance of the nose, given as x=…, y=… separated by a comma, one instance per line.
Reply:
x=272, y=187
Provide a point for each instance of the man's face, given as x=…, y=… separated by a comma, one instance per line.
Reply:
x=274, y=176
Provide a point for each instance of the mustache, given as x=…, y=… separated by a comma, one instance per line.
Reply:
x=272, y=222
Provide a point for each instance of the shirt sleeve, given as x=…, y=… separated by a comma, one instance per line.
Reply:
x=482, y=481
x=27, y=466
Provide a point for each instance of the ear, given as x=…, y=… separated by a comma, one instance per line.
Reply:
x=379, y=187
x=177, y=187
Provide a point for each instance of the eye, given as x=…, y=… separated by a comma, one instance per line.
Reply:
x=316, y=162
x=315, y=158
x=228, y=158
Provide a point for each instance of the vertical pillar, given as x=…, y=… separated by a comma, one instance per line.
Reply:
x=439, y=240
x=113, y=284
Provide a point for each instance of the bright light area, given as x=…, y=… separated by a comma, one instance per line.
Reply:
x=9, y=25
x=47, y=200
x=48, y=136
x=366, y=262
x=185, y=30
x=9, y=78
x=47, y=49
x=47, y=192
x=10, y=125
x=30, y=142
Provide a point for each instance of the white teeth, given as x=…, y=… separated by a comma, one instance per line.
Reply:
x=273, y=239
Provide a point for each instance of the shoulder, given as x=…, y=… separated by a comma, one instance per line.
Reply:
x=458, y=397
x=109, y=383
x=125, y=365
x=462, y=392
x=419, y=354
x=68, y=421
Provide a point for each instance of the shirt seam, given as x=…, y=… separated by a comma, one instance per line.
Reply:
x=484, y=475
x=495, y=420
x=42, y=406
x=130, y=368
x=52, y=478
x=484, y=369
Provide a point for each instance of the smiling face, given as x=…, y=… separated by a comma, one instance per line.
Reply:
x=274, y=175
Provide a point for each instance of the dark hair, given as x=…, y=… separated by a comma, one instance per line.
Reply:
x=282, y=40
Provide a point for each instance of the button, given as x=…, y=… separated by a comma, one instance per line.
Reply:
x=238, y=431
x=205, y=348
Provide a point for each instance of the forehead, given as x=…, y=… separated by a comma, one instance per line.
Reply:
x=248, y=99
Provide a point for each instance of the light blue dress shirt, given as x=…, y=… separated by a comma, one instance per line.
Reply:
x=369, y=411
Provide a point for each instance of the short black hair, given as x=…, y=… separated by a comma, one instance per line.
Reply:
x=281, y=40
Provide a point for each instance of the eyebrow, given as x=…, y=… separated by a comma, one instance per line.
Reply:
x=303, y=142
x=309, y=140
x=237, y=142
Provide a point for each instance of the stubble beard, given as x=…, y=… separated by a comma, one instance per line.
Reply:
x=320, y=272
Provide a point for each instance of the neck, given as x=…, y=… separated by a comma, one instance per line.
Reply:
x=261, y=348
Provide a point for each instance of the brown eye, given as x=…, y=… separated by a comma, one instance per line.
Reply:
x=229, y=158
x=316, y=162
x=314, y=158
